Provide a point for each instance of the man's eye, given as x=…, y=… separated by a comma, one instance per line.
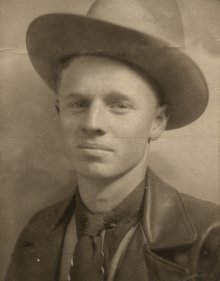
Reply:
x=77, y=106
x=120, y=107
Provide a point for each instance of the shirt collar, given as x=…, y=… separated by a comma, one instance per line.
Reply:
x=129, y=209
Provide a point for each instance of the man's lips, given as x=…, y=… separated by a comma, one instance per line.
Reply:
x=94, y=146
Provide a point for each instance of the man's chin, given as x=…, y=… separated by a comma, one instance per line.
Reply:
x=95, y=171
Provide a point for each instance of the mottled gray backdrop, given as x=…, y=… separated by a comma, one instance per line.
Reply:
x=34, y=169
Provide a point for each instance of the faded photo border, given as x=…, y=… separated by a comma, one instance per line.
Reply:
x=34, y=168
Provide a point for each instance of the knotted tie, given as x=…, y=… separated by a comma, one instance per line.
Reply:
x=88, y=259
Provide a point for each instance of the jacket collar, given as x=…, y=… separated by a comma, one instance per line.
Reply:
x=166, y=223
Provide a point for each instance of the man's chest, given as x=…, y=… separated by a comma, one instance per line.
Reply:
x=132, y=260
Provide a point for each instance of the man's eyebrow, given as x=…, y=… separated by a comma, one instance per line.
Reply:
x=75, y=95
x=117, y=95
x=112, y=96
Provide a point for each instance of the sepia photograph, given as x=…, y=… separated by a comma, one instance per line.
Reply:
x=110, y=140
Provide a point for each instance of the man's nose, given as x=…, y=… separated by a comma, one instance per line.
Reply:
x=95, y=119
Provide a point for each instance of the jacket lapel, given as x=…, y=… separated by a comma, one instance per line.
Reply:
x=141, y=264
x=166, y=223
x=165, y=226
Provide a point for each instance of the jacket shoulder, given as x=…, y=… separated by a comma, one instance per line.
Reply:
x=203, y=214
x=42, y=222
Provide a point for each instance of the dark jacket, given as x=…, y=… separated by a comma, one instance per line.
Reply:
x=183, y=239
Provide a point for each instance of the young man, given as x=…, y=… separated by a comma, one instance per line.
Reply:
x=120, y=81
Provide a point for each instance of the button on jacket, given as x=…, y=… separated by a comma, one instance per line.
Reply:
x=177, y=240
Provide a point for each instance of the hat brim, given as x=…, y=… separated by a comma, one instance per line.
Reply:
x=53, y=37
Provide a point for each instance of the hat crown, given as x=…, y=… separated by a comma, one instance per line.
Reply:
x=159, y=18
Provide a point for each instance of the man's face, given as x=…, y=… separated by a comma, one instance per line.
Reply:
x=107, y=111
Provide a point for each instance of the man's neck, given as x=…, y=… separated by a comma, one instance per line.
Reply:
x=100, y=195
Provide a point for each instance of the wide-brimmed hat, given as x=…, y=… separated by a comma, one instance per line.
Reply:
x=146, y=33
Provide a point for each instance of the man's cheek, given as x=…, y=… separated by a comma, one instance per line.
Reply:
x=70, y=147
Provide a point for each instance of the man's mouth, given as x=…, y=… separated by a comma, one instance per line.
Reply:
x=94, y=146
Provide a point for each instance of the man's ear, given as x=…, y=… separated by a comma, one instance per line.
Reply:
x=57, y=105
x=159, y=122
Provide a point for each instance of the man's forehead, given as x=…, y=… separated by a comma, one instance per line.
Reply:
x=96, y=61
x=86, y=65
